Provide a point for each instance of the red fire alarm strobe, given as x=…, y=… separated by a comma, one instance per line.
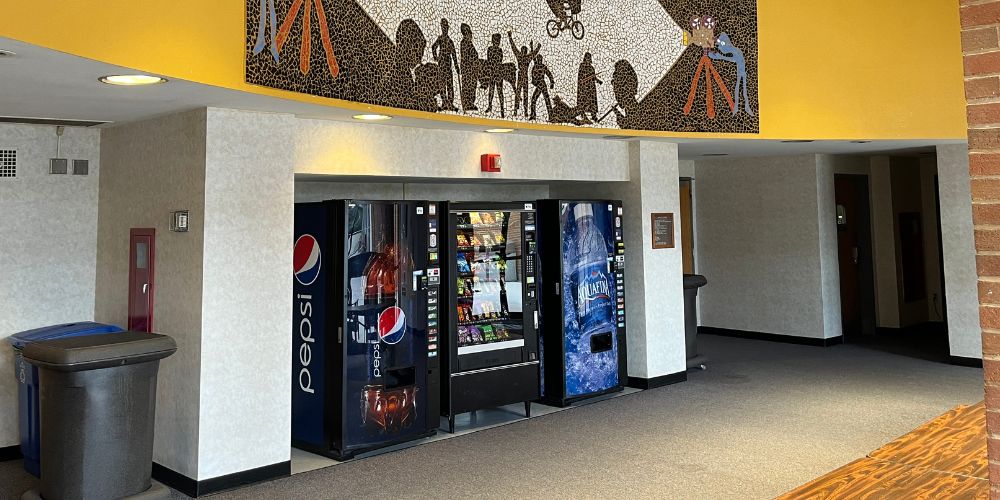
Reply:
x=489, y=163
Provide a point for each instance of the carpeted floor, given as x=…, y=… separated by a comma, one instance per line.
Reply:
x=764, y=419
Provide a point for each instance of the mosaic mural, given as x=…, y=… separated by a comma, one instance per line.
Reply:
x=670, y=65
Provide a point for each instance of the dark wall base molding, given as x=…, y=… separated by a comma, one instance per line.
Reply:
x=963, y=361
x=662, y=380
x=772, y=337
x=194, y=488
x=10, y=453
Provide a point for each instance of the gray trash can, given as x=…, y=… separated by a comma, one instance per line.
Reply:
x=98, y=401
x=692, y=282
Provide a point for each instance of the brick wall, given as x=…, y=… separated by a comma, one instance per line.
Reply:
x=981, y=48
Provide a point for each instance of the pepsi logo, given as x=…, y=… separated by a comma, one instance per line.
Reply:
x=391, y=325
x=307, y=260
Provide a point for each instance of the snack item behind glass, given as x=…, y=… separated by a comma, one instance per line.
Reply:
x=463, y=264
x=476, y=334
x=474, y=218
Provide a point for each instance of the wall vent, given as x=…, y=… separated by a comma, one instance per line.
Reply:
x=8, y=163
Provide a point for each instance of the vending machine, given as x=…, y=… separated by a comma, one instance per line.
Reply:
x=490, y=353
x=582, y=263
x=365, y=321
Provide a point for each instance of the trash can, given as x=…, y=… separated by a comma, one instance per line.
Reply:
x=692, y=282
x=98, y=402
x=27, y=381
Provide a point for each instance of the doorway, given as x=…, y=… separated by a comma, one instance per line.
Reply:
x=142, y=256
x=854, y=250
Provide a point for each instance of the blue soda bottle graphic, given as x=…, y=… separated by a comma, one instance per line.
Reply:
x=590, y=285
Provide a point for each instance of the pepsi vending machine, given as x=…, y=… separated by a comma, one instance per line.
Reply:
x=365, y=322
x=582, y=252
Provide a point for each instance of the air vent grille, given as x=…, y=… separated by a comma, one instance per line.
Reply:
x=8, y=163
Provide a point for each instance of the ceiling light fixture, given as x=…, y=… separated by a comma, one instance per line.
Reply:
x=798, y=141
x=716, y=154
x=7, y=53
x=132, y=80
x=372, y=117
x=499, y=130
x=860, y=142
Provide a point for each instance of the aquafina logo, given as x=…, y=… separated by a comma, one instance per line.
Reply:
x=593, y=294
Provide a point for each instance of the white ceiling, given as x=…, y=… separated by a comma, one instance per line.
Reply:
x=43, y=83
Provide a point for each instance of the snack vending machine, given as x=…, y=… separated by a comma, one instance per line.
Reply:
x=582, y=254
x=490, y=353
x=365, y=322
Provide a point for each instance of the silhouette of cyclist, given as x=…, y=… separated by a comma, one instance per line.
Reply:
x=564, y=9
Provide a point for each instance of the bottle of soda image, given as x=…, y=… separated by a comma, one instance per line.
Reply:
x=588, y=282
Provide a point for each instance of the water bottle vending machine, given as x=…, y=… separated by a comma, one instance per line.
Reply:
x=582, y=300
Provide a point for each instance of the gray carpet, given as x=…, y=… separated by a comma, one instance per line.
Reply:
x=764, y=418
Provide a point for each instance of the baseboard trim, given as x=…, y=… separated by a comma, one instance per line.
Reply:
x=653, y=383
x=963, y=361
x=194, y=488
x=772, y=337
x=8, y=453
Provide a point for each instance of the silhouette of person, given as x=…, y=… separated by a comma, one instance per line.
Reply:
x=726, y=51
x=410, y=47
x=586, y=88
x=524, y=57
x=443, y=51
x=494, y=58
x=538, y=74
x=469, y=74
x=625, y=84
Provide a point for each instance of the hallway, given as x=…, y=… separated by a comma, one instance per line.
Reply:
x=763, y=419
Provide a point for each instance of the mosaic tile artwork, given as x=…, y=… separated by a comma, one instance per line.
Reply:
x=667, y=65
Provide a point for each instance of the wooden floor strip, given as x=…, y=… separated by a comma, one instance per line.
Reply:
x=954, y=442
x=869, y=478
x=944, y=458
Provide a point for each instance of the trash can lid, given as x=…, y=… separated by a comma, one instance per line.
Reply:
x=99, y=351
x=694, y=281
x=18, y=340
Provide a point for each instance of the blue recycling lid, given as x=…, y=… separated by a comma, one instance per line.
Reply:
x=65, y=330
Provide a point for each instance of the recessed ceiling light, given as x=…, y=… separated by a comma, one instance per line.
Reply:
x=132, y=80
x=860, y=142
x=716, y=154
x=499, y=130
x=798, y=141
x=7, y=53
x=372, y=117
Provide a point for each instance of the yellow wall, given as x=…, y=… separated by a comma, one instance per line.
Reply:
x=843, y=69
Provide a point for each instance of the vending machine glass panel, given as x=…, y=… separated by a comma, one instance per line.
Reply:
x=386, y=324
x=489, y=284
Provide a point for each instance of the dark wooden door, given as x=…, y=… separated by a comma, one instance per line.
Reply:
x=142, y=255
x=854, y=249
x=687, y=226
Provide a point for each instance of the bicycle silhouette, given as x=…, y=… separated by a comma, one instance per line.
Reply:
x=566, y=13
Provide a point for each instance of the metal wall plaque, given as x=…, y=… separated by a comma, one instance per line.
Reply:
x=663, y=230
